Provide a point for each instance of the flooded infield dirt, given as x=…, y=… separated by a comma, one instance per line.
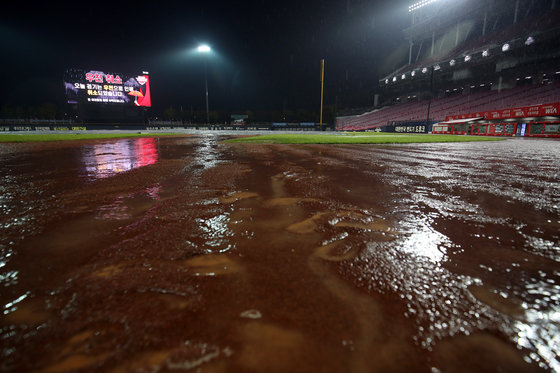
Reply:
x=170, y=254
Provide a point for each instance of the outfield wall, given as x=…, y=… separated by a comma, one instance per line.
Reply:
x=405, y=127
x=142, y=127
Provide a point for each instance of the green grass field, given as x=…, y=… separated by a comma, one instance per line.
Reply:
x=71, y=136
x=358, y=138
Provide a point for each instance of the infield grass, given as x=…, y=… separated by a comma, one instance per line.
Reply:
x=358, y=138
x=72, y=136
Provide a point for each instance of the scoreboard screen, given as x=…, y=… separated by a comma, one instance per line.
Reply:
x=94, y=86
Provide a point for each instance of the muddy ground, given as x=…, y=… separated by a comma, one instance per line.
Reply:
x=170, y=254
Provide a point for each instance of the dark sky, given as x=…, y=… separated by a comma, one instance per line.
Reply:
x=266, y=54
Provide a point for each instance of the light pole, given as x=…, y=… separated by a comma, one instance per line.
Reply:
x=205, y=49
x=322, y=82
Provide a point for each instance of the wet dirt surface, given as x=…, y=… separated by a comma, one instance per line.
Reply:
x=176, y=254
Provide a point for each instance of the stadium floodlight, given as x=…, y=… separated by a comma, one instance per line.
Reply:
x=403, y=76
x=424, y=70
x=394, y=79
x=505, y=47
x=485, y=53
x=420, y=4
x=437, y=67
x=203, y=48
x=467, y=58
x=452, y=63
x=386, y=81
x=413, y=73
x=530, y=40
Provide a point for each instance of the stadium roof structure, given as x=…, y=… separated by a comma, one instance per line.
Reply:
x=470, y=29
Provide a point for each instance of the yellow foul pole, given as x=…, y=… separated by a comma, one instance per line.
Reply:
x=322, y=80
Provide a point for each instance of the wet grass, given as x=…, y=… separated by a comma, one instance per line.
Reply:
x=358, y=138
x=73, y=136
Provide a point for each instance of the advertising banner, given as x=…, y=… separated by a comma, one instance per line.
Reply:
x=520, y=112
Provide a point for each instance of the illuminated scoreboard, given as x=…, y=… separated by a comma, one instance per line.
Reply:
x=93, y=86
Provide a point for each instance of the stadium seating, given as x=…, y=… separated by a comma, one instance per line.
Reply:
x=453, y=105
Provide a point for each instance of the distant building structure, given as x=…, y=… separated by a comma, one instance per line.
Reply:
x=469, y=57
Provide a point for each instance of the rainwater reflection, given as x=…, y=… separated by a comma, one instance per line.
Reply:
x=206, y=154
x=217, y=233
x=422, y=240
x=110, y=158
x=540, y=329
x=455, y=217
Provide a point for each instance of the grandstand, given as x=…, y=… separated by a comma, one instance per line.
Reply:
x=467, y=61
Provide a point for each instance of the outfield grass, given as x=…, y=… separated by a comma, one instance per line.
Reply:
x=72, y=136
x=358, y=138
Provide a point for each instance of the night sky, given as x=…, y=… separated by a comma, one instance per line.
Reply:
x=266, y=54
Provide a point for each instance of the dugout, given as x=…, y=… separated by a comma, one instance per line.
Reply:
x=529, y=121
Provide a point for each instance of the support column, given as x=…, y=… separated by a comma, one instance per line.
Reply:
x=433, y=41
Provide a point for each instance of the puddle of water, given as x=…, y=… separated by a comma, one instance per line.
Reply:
x=490, y=205
x=305, y=226
x=106, y=159
x=217, y=232
x=108, y=271
x=374, y=226
x=206, y=155
x=213, y=265
x=497, y=301
x=251, y=314
x=336, y=252
x=263, y=258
